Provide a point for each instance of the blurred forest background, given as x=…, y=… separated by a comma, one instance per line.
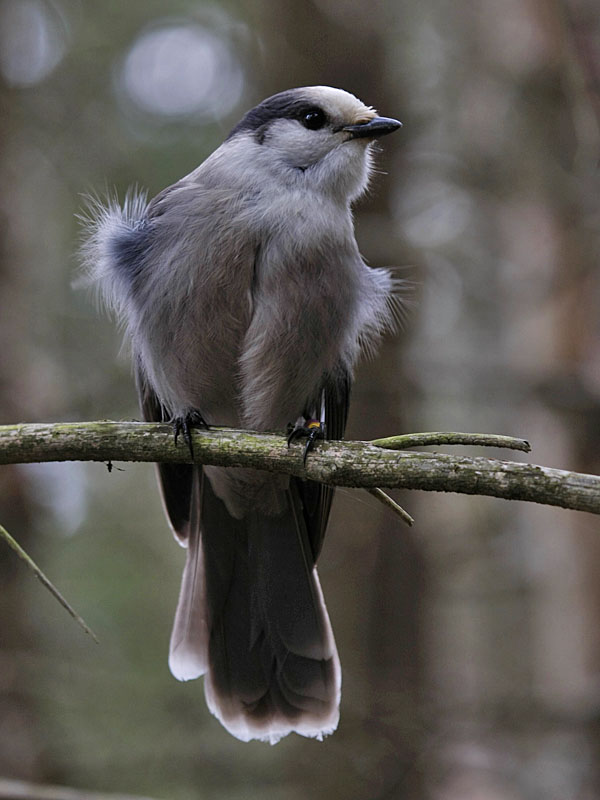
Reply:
x=470, y=644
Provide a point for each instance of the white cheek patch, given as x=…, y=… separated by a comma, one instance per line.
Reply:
x=297, y=146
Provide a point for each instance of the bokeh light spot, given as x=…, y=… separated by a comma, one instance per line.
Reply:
x=182, y=70
x=33, y=40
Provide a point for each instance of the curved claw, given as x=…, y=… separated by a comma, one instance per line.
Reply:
x=312, y=429
x=185, y=424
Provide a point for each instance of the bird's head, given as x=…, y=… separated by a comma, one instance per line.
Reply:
x=317, y=135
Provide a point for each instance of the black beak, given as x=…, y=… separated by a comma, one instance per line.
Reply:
x=380, y=126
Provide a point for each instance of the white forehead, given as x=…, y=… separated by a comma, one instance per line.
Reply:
x=339, y=103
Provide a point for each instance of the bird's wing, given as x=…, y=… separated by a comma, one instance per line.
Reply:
x=156, y=206
x=176, y=481
x=316, y=498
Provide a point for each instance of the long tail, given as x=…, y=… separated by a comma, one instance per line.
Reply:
x=251, y=616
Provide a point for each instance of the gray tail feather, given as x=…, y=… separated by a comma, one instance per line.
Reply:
x=188, y=649
x=251, y=614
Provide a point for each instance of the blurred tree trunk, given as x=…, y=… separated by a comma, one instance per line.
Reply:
x=343, y=45
x=580, y=406
x=19, y=754
x=495, y=205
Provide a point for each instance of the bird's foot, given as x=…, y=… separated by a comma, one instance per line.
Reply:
x=183, y=425
x=311, y=429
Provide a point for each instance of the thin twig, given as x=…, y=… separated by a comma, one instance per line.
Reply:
x=4, y=534
x=406, y=440
x=389, y=502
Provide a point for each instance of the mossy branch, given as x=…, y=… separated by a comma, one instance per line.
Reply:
x=350, y=464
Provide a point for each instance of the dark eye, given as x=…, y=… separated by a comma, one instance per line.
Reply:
x=314, y=119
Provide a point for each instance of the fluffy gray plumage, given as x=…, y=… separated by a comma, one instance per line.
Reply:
x=246, y=300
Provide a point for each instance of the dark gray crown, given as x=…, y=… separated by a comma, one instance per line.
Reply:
x=291, y=104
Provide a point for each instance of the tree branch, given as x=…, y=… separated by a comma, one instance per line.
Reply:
x=12, y=543
x=25, y=790
x=350, y=464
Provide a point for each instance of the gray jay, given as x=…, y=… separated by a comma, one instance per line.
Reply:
x=247, y=304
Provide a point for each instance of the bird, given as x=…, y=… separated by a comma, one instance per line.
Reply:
x=246, y=303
